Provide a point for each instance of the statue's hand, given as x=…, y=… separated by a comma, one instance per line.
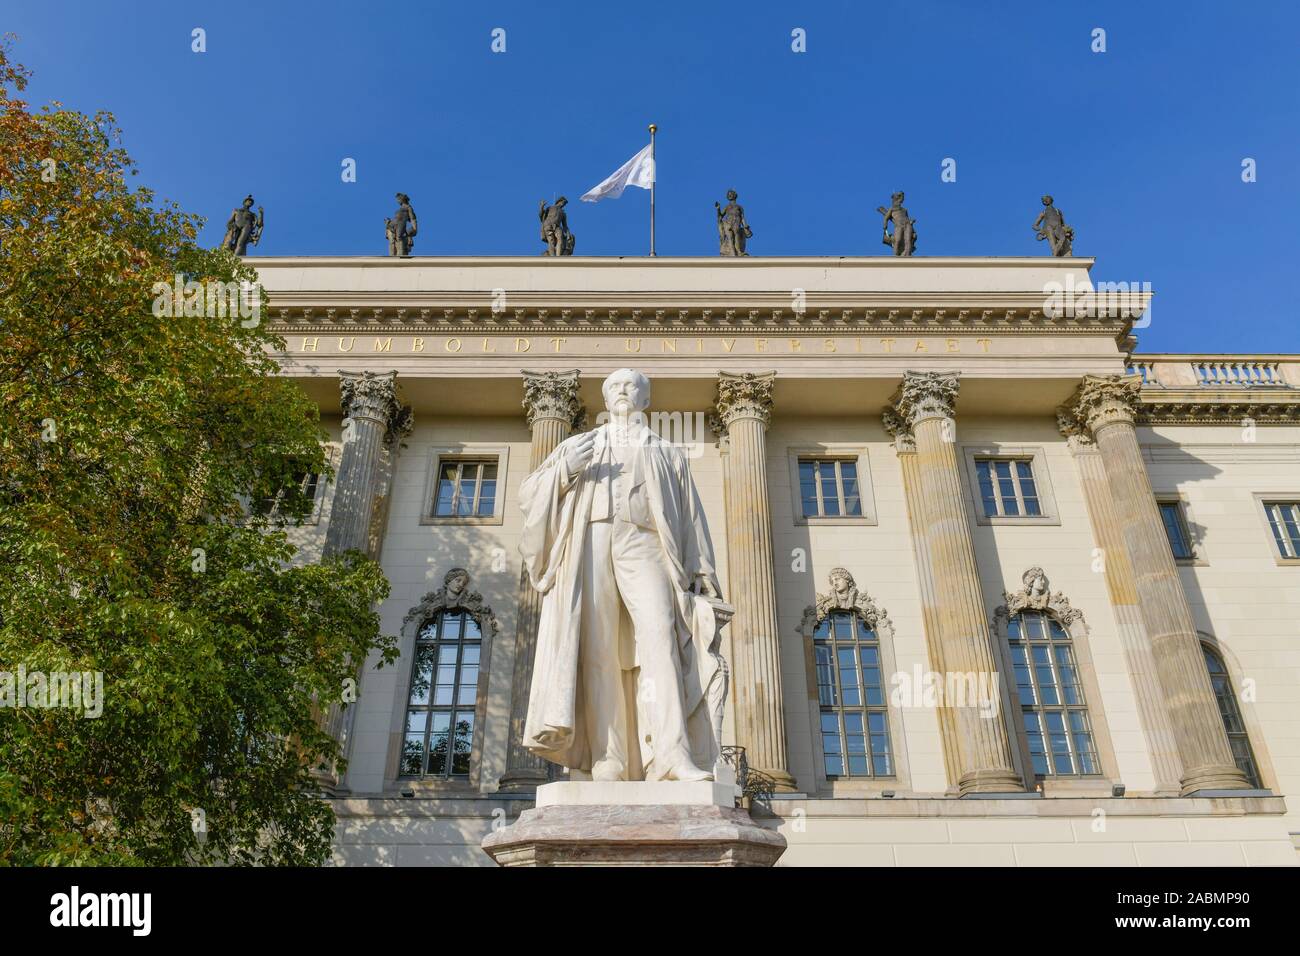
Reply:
x=578, y=454
x=702, y=586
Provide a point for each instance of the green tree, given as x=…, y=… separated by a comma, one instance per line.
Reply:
x=129, y=439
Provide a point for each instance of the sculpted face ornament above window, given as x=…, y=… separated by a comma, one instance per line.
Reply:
x=455, y=596
x=1036, y=595
x=844, y=596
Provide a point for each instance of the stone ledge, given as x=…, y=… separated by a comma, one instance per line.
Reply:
x=675, y=835
x=1046, y=807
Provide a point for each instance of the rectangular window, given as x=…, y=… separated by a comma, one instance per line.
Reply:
x=1007, y=487
x=1284, y=522
x=466, y=488
x=828, y=488
x=1175, y=521
x=307, y=483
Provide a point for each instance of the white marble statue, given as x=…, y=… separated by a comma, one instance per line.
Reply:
x=627, y=670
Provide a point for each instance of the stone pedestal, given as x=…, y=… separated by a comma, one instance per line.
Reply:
x=635, y=823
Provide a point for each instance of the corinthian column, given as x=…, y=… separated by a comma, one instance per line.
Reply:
x=905, y=447
x=373, y=425
x=373, y=420
x=1120, y=584
x=552, y=409
x=925, y=403
x=743, y=410
x=1106, y=405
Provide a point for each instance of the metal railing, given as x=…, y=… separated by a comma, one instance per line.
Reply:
x=755, y=786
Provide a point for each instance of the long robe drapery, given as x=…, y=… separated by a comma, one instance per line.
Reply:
x=554, y=534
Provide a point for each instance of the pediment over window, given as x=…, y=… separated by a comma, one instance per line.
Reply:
x=456, y=597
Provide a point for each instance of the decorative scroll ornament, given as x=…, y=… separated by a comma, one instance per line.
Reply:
x=367, y=395
x=844, y=596
x=455, y=596
x=744, y=395
x=1103, y=400
x=1036, y=595
x=553, y=395
x=899, y=431
x=925, y=395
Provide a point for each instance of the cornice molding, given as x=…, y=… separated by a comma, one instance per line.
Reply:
x=682, y=312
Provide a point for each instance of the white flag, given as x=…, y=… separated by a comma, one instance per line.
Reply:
x=637, y=171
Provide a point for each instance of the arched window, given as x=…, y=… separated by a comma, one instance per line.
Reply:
x=851, y=693
x=1238, y=740
x=444, y=691
x=1052, y=704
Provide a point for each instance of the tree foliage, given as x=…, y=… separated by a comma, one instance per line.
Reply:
x=128, y=442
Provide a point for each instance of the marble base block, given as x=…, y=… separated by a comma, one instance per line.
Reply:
x=635, y=824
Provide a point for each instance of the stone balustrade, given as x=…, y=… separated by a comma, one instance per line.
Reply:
x=1203, y=371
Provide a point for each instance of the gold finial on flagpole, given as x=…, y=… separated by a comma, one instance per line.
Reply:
x=653, y=128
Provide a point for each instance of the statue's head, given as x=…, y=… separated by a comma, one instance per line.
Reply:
x=561, y=201
x=841, y=580
x=1047, y=200
x=732, y=195
x=403, y=198
x=897, y=198
x=456, y=580
x=248, y=202
x=625, y=391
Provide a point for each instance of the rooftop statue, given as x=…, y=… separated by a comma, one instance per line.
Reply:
x=555, y=228
x=903, y=240
x=1050, y=225
x=243, y=227
x=733, y=230
x=401, y=229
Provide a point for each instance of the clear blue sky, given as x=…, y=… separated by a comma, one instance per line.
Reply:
x=1141, y=145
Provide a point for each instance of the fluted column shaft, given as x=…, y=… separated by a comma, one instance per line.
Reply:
x=926, y=402
x=1161, y=742
x=552, y=407
x=905, y=446
x=1107, y=405
x=374, y=421
x=744, y=408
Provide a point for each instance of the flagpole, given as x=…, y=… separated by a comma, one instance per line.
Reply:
x=652, y=188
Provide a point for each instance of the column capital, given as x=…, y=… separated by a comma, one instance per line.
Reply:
x=925, y=395
x=553, y=395
x=899, y=431
x=371, y=395
x=744, y=395
x=1102, y=400
x=1077, y=437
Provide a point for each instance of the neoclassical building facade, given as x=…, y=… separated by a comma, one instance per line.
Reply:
x=1006, y=590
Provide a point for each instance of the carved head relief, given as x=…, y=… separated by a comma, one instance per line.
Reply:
x=455, y=595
